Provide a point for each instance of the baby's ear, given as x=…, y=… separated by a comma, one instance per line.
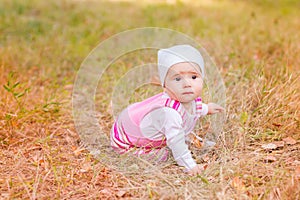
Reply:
x=155, y=80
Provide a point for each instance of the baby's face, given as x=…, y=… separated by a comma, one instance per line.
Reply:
x=184, y=82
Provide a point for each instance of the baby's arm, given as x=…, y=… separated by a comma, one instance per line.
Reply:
x=175, y=136
x=180, y=151
x=166, y=122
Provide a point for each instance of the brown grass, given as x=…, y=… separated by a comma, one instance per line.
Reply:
x=42, y=156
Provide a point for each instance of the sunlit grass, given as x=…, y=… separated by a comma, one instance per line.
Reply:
x=254, y=43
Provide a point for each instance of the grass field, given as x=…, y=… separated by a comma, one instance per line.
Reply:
x=255, y=45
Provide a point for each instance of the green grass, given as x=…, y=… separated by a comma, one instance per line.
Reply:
x=254, y=44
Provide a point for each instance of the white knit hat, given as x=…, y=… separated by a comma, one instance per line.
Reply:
x=177, y=54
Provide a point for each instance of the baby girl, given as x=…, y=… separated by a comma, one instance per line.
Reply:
x=159, y=125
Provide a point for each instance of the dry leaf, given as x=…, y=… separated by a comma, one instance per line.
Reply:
x=270, y=158
x=197, y=142
x=270, y=146
x=106, y=191
x=289, y=140
x=85, y=168
x=121, y=193
x=238, y=184
x=279, y=144
x=277, y=124
x=41, y=161
x=205, y=158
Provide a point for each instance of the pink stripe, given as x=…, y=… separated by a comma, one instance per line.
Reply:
x=175, y=105
x=178, y=105
x=167, y=102
x=116, y=134
x=147, y=146
x=124, y=133
x=116, y=143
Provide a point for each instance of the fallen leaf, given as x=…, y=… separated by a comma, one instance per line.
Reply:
x=270, y=158
x=270, y=146
x=205, y=158
x=106, y=191
x=85, y=168
x=289, y=140
x=121, y=193
x=197, y=142
x=41, y=161
x=279, y=144
x=277, y=124
x=238, y=184
x=205, y=166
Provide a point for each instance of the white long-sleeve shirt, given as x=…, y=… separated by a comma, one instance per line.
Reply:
x=167, y=122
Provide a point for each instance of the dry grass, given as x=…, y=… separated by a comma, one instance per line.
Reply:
x=258, y=55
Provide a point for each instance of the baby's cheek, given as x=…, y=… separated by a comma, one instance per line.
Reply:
x=198, y=91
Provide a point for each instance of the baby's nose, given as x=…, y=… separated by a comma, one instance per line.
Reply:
x=186, y=83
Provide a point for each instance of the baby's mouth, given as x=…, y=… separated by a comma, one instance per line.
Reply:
x=185, y=93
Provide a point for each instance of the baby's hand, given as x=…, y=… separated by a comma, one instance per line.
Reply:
x=196, y=170
x=214, y=108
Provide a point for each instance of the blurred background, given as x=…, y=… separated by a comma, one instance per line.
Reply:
x=255, y=45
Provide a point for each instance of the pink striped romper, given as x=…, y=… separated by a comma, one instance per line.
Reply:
x=126, y=134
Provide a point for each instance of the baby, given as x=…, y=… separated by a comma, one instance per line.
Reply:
x=160, y=124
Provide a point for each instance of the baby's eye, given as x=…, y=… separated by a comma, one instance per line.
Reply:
x=194, y=77
x=177, y=79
